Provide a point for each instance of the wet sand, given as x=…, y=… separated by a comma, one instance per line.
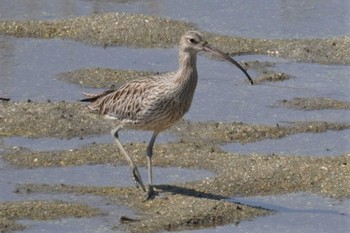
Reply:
x=186, y=205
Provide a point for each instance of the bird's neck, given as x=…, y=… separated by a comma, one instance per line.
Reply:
x=187, y=73
x=186, y=80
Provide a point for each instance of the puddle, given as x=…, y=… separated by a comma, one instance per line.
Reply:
x=282, y=19
x=2, y=164
x=330, y=143
x=39, y=61
x=223, y=95
x=52, y=144
x=299, y=212
x=93, y=175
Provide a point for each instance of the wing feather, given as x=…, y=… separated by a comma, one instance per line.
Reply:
x=125, y=102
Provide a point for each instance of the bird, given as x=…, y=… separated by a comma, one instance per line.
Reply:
x=155, y=103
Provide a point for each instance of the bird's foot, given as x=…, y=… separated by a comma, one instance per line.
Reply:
x=137, y=178
x=151, y=193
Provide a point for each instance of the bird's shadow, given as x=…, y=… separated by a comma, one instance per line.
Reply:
x=200, y=194
x=189, y=192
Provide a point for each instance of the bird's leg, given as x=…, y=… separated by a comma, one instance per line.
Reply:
x=150, y=191
x=135, y=172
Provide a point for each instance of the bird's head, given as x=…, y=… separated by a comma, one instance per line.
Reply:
x=194, y=42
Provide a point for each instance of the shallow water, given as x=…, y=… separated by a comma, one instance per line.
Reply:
x=91, y=175
x=86, y=175
x=223, y=94
x=29, y=66
x=52, y=144
x=262, y=19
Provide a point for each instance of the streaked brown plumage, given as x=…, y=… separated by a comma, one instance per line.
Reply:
x=155, y=103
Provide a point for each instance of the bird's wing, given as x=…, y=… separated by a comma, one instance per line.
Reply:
x=126, y=101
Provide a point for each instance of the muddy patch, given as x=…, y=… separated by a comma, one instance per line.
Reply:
x=113, y=78
x=104, y=29
x=271, y=77
x=225, y=132
x=323, y=51
x=60, y=119
x=102, y=77
x=315, y=104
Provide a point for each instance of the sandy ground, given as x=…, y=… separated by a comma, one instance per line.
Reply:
x=183, y=206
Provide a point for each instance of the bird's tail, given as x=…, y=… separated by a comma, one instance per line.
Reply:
x=93, y=97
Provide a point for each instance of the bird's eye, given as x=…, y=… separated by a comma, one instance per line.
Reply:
x=193, y=41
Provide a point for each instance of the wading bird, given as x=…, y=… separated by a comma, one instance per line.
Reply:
x=155, y=103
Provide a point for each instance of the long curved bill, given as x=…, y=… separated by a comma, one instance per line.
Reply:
x=219, y=54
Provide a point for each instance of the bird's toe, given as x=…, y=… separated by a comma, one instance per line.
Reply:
x=151, y=193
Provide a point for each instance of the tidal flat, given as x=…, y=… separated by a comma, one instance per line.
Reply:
x=185, y=205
